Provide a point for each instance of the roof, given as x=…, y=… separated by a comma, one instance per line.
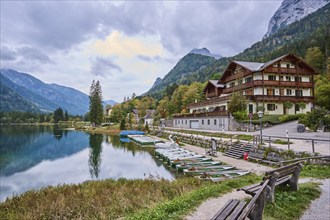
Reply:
x=150, y=113
x=216, y=83
x=253, y=66
x=135, y=111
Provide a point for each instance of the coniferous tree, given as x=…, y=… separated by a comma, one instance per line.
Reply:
x=95, y=103
x=58, y=115
x=66, y=116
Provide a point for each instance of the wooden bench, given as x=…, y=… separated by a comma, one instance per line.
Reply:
x=235, y=209
x=282, y=176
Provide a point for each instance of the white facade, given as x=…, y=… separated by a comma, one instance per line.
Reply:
x=219, y=123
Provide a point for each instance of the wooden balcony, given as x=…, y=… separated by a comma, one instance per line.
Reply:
x=238, y=75
x=214, y=100
x=283, y=70
x=211, y=94
x=283, y=84
x=201, y=114
x=268, y=83
x=276, y=98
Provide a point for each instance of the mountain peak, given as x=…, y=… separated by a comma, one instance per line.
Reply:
x=205, y=52
x=291, y=11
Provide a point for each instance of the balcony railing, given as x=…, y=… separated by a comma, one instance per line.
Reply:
x=268, y=83
x=211, y=94
x=287, y=70
x=201, y=114
x=210, y=101
x=281, y=98
x=238, y=75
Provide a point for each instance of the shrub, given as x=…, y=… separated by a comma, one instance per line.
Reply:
x=314, y=118
x=240, y=115
x=286, y=118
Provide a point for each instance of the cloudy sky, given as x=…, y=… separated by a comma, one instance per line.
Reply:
x=124, y=44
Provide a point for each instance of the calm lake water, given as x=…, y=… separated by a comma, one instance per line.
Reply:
x=32, y=157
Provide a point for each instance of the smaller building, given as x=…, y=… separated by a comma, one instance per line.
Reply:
x=147, y=119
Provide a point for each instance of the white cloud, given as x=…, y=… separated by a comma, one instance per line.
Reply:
x=126, y=45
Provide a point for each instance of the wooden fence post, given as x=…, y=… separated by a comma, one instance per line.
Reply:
x=269, y=140
x=288, y=144
x=313, y=146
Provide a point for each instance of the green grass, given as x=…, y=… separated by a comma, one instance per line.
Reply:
x=280, y=141
x=291, y=205
x=316, y=171
x=110, y=199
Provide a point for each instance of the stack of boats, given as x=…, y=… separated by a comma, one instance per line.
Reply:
x=193, y=164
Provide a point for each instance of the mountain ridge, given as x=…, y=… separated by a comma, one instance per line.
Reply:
x=47, y=97
x=291, y=11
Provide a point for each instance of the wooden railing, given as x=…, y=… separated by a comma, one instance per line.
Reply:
x=268, y=83
x=201, y=114
x=281, y=98
x=287, y=70
x=210, y=101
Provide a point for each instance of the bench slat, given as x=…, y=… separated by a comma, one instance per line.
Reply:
x=238, y=210
x=279, y=170
x=282, y=180
x=228, y=210
x=251, y=204
x=224, y=207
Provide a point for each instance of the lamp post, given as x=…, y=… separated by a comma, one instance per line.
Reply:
x=260, y=113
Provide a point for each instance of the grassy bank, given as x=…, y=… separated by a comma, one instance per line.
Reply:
x=99, y=130
x=316, y=171
x=292, y=204
x=110, y=199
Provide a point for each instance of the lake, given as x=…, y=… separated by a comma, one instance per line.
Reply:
x=32, y=157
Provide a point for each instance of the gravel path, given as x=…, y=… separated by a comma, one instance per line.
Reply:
x=320, y=208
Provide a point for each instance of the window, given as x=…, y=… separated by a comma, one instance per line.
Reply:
x=270, y=91
x=175, y=122
x=202, y=122
x=272, y=78
x=208, y=121
x=215, y=121
x=181, y=121
x=287, y=65
x=297, y=79
x=288, y=92
x=240, y=82
x=186, y=121
x=281, y=78
x=249, y=79
x=178, y=122
x=299, y=93
x=271, y=107
x=288, y=78
x=232, y=84
x=296, y=108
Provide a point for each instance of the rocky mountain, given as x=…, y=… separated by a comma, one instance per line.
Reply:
x=204, y=51
x=46, y=97
x=181, y=73
x=291, y=11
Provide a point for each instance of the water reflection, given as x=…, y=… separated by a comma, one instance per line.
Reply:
x=95, y=149
x=32, y=157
